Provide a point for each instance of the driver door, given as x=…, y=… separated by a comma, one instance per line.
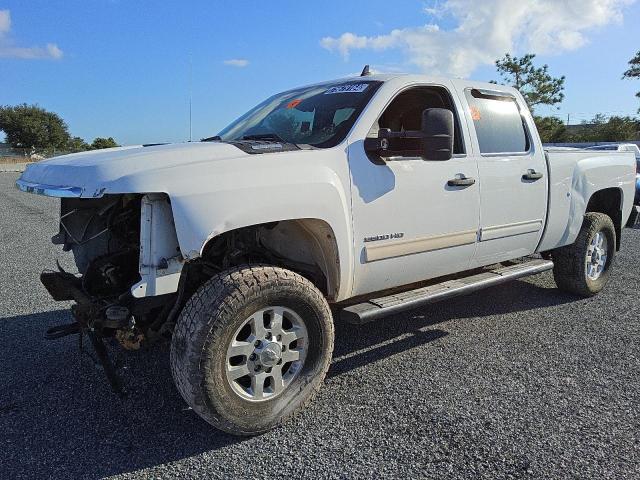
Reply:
x=409, y=223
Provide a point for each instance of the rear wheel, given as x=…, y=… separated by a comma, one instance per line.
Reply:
x=583, y=268
x=251, y=348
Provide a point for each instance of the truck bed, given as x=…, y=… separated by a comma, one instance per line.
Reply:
x=574, y=176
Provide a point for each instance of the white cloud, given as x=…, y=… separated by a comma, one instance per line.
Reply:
x=5, y=21
x=9, y=50
x=487, y=30
x=237, y=62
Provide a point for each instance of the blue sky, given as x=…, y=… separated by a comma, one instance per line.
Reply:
x=121, y=68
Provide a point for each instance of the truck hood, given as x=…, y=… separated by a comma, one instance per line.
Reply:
x=114, y=170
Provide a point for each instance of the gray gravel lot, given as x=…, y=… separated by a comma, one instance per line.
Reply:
x=519, y=381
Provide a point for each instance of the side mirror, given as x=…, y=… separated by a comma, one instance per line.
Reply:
x=437, y=130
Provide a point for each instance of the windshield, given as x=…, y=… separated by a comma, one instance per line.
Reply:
x=321, y=115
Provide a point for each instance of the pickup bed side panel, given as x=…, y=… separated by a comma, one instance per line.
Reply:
x=574, y=178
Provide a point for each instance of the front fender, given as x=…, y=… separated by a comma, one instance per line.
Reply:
x=207, y=207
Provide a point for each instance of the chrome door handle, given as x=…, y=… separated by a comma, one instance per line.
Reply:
x=532, y=175
x=461, y=182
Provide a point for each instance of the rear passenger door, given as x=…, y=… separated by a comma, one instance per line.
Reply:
x=513, y=176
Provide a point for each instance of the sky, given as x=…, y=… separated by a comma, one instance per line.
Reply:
x=125, y=68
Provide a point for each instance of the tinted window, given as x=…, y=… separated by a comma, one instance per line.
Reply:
x=498, y=123
x=405, y=113
x=320, y=115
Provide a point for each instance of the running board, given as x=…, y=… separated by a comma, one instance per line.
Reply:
x=380, y=307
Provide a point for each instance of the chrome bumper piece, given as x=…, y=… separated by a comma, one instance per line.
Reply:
x=48, y=190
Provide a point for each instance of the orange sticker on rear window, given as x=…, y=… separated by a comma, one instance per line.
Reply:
x=293, y=103
x=475, y=114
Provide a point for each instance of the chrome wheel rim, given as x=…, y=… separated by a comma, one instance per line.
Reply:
x=266, y=354
x=597, y=254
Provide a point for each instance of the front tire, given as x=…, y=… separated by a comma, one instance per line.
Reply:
x=583, y=268
x=251, y=348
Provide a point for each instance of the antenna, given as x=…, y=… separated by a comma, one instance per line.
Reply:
x=365, y=71
x=190, y=96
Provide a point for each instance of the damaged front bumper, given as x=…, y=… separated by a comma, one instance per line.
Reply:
x=129, y=267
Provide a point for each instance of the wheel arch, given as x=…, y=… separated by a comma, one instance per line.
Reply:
x=294, y=244
x=610, y=202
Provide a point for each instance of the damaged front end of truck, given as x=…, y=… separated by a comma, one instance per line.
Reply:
x=129, y=269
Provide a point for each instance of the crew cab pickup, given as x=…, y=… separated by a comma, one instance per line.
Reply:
x=358, y=198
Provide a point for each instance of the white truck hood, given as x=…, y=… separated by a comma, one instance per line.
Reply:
x=116, y=170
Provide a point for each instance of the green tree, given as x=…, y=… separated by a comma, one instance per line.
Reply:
x=29, y=126
x=551, y=129
x=99, y=143
x=634, y=70
x=603, y=129
x=617, y=129
x=77, y=144
x=535, y=84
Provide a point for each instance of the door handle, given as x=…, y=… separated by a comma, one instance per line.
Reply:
x=532, y=175
x=461, y=182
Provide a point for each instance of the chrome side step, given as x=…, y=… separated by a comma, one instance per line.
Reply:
x=379, y=307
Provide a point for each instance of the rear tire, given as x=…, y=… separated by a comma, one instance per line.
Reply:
x=583, y=267
x=272, y=324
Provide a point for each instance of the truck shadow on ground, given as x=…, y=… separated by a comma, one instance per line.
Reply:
x=394, y=334
x=59, y=418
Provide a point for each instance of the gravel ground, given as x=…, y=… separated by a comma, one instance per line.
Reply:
x=519, y=381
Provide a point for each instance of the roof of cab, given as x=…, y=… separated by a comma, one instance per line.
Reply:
x=410, y=78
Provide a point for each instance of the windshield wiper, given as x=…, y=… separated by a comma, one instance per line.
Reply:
x=216, y=138
x=265, y=136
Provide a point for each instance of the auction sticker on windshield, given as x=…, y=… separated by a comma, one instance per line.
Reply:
x=348, y=88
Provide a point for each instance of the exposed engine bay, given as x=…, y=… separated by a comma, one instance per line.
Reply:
x=104, y=236
x=111, y=241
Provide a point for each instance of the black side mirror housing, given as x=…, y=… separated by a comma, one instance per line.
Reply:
x=434, y=141
x=437, y=130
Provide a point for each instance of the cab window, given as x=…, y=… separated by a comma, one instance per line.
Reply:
x=405, y=113
x=499, y=126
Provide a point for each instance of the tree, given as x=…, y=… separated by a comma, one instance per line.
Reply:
x=613, y=129
x=634, y=70
x=619, y=129
x=536, y=85
x=551, y=129
x=32, y=127
x=99, y=143
x=77, y=144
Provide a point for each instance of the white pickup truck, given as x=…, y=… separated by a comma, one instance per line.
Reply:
x=362, y=196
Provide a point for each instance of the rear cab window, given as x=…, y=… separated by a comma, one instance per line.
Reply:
x=498, y=123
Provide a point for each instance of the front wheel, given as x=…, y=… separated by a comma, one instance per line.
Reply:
x=251, y=348
x=583, y=268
